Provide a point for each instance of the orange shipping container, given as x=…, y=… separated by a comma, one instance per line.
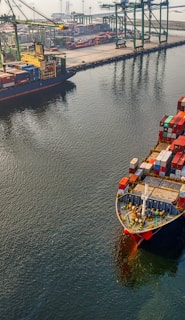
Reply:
x=133, y=178
x=176, y=160
x=6, y=78
x=123, y=183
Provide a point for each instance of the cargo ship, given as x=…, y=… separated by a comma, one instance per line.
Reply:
x=151, y=198
x=35, y=72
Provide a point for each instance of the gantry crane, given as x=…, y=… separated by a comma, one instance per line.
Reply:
x=126, y=13
x=11, y=19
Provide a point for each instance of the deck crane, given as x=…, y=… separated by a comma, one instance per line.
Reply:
x=124, y=9
x=11, y=19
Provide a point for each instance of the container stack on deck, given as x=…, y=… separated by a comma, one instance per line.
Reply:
x=6, y=80
x=20, y=76
x=18, y=73
x=167, y=159
x=171, y=127
x=33, y=71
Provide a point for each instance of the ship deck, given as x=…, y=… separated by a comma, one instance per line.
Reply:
x=160, y=205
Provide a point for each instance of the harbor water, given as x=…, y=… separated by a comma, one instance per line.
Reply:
x=63, y=254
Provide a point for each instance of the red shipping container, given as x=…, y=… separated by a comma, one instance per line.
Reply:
x=181, y=114
x=180, y=126
x=171, y=147
x=162, y=120
x=160, y=136
x=181, y=103
x=180, y=163
x=168, y=139
x=131, y=170
x=156, y=172
x=176, y=160
x=123, y=183
x=181, y=203
x=175, y=125
x=172, y=122
x=6, y=78
x=163, y=169
x=179, y=143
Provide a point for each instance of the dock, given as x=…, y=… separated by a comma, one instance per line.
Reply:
x=97, y=55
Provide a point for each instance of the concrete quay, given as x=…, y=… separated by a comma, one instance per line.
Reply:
x=90, y=57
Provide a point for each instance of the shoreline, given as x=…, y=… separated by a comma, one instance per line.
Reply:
x=90, y=57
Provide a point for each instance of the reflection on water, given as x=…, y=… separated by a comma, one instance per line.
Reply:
x=138, y=266
x=141, y=70
x=39, y=101
x=153, y=258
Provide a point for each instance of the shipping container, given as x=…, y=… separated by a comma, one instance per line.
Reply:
x=6, y=77
x=134, y=163
x=162, y=120
x=176, y=159
x=123, y=182
x=133, y=178
x=166, y=122
x=181, y=103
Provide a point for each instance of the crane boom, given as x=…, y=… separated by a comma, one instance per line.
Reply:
x=36, y=11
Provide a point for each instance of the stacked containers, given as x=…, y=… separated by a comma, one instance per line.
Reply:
x=163, y=128
x=123, y=185
x=139, y=173
x=158, y=163
x=181, y=104
x=171, y=127
x=178, y=145
x=6, y=80
x=177, y=170
x=167, y=129
x=34, y=72
x=162, y=163
x=20, y=76
x=133, y=165
x=152, y=157
x=165, y=162
x=146, y=167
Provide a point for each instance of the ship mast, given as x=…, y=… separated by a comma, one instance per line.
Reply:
x=144, y=197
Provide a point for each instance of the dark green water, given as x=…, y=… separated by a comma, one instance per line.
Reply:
x=62, y=253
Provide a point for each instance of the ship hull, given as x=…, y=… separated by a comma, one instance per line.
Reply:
x=160, y=239
x=169, y=241
x=33, y=87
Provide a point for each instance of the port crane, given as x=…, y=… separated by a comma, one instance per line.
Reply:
x=125, y=16
x=10, y=18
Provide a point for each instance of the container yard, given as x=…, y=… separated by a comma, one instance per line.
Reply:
x=105, y=53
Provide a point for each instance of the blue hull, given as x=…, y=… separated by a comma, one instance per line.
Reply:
x=33, y=87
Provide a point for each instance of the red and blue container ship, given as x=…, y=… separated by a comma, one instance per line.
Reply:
x=151, y=198
x=34, y=73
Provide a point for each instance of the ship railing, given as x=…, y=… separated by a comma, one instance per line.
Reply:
x=151, y=203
